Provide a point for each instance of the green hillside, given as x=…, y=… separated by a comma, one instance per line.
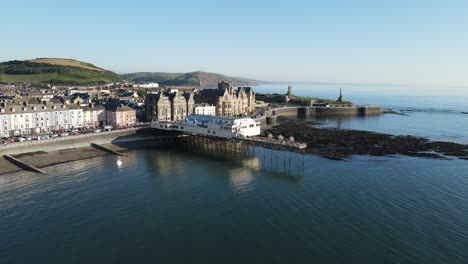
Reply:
x=56, y=72
x=199, y=78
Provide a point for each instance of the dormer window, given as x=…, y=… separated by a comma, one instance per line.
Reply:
x=13, y=109
x=25, y=109
x=2, y=110
x=44, y=107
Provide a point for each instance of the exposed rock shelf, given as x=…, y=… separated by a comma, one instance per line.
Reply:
x=341, y=144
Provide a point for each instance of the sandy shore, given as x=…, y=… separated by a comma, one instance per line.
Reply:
x=41, y=159
x=48, y=156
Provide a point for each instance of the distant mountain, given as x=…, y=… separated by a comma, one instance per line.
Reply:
x=55, y=71
x=198, y=79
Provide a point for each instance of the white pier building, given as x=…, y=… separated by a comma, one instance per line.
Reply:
x=225, y=127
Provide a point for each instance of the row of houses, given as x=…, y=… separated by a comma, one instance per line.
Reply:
x=29, y=116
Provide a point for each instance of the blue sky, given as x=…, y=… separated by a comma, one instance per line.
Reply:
x=394, y=42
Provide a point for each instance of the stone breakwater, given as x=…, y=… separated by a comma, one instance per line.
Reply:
x=341, y=144
x=271, y=117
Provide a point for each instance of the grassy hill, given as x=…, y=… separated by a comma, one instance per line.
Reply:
x=55, y=71
x=199, y=78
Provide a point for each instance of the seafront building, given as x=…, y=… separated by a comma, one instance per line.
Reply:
x=120, y=115
x=19, y=118
x=225, y=127
x=205, y=109
x=31, y=116
x=174, y=104
x=228, y=102
x=169, y=105
x=94, y=115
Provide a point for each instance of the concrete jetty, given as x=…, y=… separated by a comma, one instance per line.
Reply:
x=110, y=151
x=22, y=164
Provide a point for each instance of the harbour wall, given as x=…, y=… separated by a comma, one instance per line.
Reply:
x=308, y=111
x=336, y=110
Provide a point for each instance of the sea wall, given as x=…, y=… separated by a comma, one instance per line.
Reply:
x=332, y=111
x=262, y=120
x=285, y=111
x=306, y=111
x=66, y=142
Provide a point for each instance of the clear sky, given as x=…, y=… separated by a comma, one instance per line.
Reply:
x=393, y=41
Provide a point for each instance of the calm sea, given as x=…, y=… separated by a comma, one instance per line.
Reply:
x=433, y=113
x=179, y=206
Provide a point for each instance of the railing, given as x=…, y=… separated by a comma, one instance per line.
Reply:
x=284, y=142
x=66, y=138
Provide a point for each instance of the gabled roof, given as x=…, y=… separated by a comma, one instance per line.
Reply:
x=212, y=92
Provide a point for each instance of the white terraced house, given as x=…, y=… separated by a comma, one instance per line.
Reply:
x=205, y=109
x=20, y=118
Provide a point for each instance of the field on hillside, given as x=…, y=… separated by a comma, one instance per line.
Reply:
x=199, y=78
x=67, y=62
x=42, y=77
x=56, y=72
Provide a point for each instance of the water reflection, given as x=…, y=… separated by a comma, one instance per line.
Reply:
x=241, y=179
x=254, y=159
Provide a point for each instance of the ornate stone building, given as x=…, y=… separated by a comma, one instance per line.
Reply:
x=169, y=105
x=228, y=101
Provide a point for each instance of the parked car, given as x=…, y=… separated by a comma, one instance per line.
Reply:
x=73, y=133
x=20, y=139
x=54, y=135
x=97, y=130
x=8, y=141
x=64, y=134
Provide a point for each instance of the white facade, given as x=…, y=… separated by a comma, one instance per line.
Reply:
x=214, y=126
x=20, y=119
x=147, y=85
x=209, y=110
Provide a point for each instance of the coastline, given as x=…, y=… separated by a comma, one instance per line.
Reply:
x=44, y=154
x=335, y=144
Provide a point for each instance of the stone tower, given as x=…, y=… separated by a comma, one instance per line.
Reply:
x=290, y=91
